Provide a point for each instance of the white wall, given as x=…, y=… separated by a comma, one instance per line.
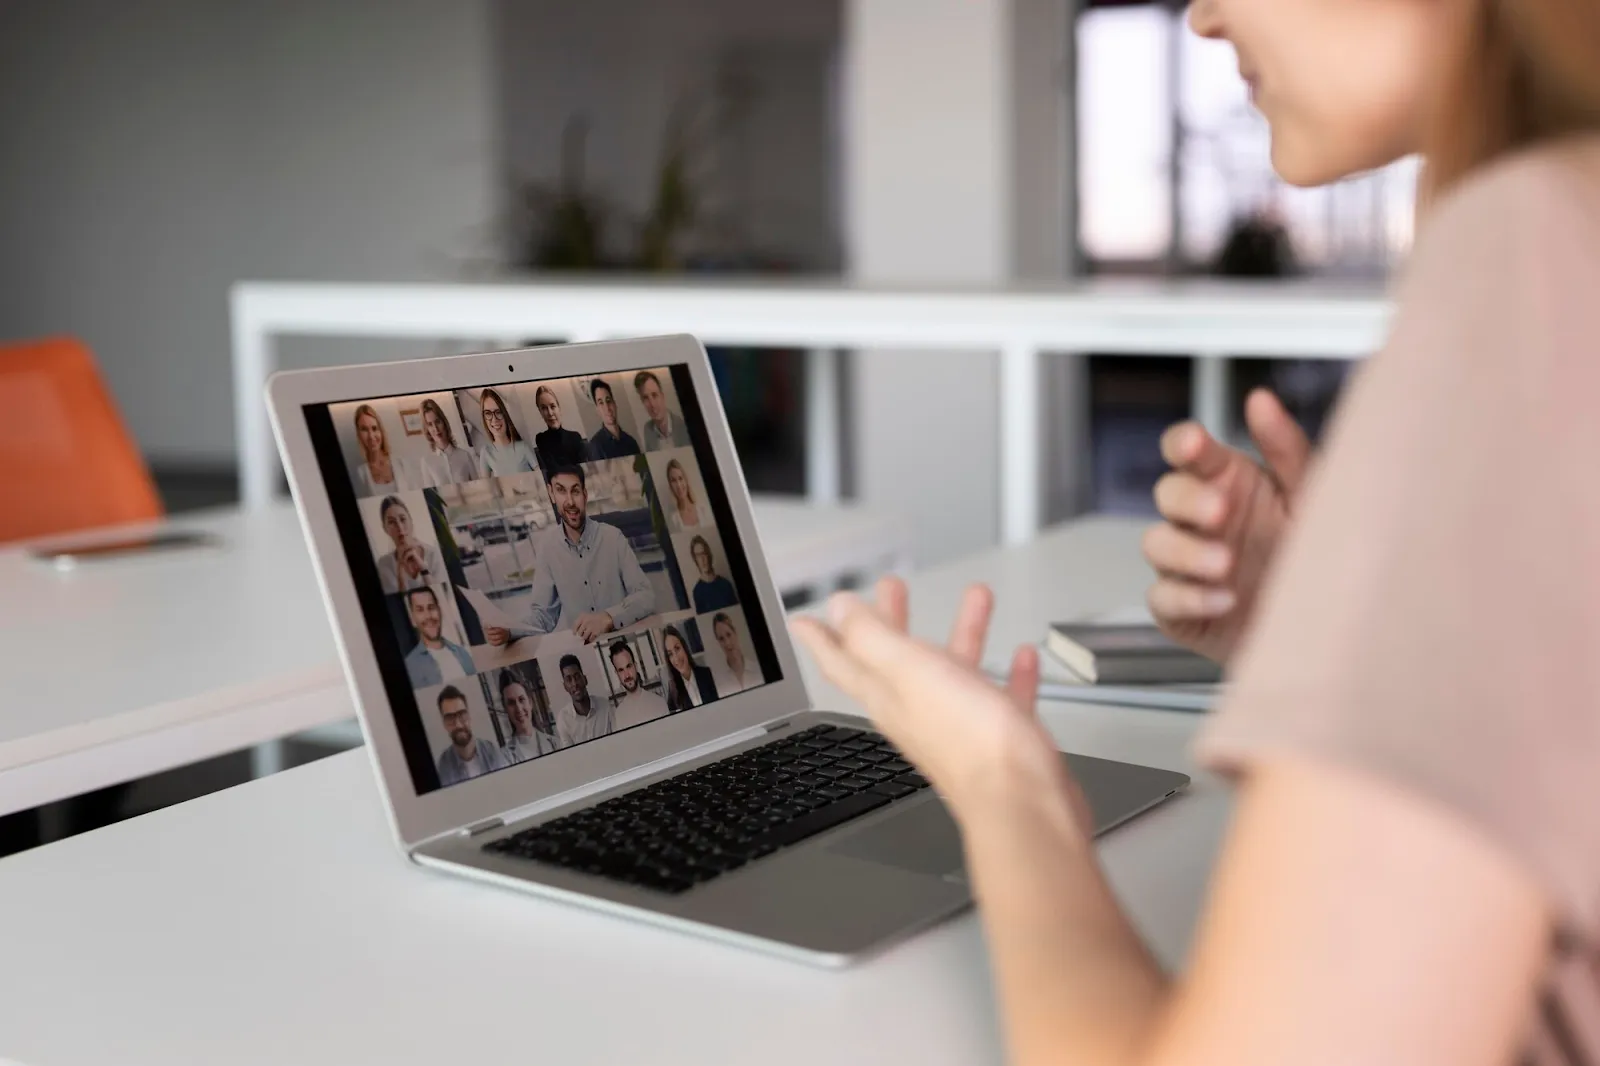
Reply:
x=954, y=159
x=623, y=64
x=153, y=153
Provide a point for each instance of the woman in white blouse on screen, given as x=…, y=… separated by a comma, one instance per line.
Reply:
x=505, y=452
x=686, y=512
x=446, y=462
x=379, y=472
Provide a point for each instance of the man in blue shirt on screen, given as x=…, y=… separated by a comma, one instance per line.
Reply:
x=587, y=577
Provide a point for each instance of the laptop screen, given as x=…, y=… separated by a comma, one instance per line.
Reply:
x=541, y=564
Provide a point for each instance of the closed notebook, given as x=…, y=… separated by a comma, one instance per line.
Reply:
x=1127, y=655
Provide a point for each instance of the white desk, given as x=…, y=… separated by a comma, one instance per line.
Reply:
x=276, y=923
x=131, y=666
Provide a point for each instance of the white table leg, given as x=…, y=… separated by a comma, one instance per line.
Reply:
x=1208, y=395
x=253, y=358
x=823, y=425
x=1021, y=443
x=269, y=758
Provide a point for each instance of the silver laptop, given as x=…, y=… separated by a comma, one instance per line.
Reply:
x=571, y=663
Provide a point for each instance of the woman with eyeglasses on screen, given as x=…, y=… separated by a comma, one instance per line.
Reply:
x=446, y=462
x=685, y=510
x=505, y=452
x=1410, y=619
x=688, y=685
x=379, y=472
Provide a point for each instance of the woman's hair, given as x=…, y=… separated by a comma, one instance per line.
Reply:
x=383, y=434
x=390, y=503
x=677, y=688
x=511, y=426
x=688, y=488
x=433, y=405
x=1521, y=72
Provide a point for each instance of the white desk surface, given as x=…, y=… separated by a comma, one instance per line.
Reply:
x=128, y=666
x=276, y=923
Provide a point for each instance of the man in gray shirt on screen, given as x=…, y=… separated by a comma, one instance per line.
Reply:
x=662, y=430
x=466, y=757
x=587, y=577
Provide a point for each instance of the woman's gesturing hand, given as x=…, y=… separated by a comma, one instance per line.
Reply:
x=1224, y=516
x=974, y=739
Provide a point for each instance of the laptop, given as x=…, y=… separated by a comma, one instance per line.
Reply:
x=571, y=664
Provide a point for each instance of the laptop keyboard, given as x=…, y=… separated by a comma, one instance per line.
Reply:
x=689, y=829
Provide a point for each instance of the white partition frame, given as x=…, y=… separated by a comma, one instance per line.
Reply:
x=1020, y=327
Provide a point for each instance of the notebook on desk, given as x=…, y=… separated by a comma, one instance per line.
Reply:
x=571, y=663
x=1118, y=657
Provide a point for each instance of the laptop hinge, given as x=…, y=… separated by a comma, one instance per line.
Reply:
x=482, y=827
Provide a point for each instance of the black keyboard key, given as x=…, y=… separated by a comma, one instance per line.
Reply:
x=899, y=766
x=854, y=783
x=810, y=781
x=839, y=733
x=875, y=773
x=815, y=761
x=914, y=779
x=893, y=789
x=877, y=756
x=832, y=772
x=833, y=792
x=822, y=819
x=852, y=764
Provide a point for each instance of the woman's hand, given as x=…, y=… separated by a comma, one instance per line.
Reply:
x=976, y=741
x=1225, y=515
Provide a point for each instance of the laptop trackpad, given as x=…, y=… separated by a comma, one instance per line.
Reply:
x=923, y=839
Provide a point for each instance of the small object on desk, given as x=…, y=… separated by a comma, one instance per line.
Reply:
x=67, y=554
x=1127, y=654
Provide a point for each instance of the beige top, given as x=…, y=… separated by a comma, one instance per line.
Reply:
x=1435, y=616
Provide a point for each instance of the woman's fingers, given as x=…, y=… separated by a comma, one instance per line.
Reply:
x=1283, y=444
x=971, y=627
x=1186, y=500
x=1175, y=551
x=894, y=602
x=1188, y=446
x=1173, y=599
x=1022, y=685
x=857, y=679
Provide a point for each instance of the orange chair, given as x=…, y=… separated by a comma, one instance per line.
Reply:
x=66, y=460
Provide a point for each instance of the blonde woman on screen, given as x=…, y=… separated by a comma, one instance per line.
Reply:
x=446, y=462
x=685, y=509
x=505, y=452
x=379, y=472
x=1412, y=870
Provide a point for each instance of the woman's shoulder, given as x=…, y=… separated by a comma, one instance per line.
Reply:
x=1527, y=195
x=1508, y=254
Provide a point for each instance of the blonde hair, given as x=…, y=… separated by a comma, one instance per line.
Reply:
x=1521, y=72
x=383, y=434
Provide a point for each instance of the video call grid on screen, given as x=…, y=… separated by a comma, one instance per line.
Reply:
x=540, y=564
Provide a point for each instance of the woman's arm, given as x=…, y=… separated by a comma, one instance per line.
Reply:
x=1348, y=921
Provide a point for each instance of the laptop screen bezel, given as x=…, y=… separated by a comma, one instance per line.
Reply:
x=416, y=818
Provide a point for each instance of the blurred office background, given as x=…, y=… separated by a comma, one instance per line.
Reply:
x=153, y=154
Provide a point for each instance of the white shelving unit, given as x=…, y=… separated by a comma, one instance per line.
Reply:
x=1020, y=325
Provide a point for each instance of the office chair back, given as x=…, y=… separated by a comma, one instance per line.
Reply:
x=67, y=461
